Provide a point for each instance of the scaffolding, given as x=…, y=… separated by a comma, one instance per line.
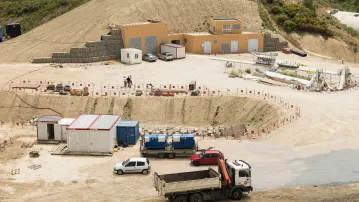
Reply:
x=264, y=58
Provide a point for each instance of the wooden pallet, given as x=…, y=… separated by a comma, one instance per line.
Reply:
x=59, y=150
x=48, y=142
x=62, y=150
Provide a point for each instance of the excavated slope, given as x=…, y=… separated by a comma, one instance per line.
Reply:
x=89, y=21
x=189, y=111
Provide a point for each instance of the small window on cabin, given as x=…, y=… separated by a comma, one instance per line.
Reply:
x=128, y=55
x=236, y=26
x=242, y=173
x=215, y=41
x=214, y=29
x=185, y=40
x=226, y=28
x=136, y=56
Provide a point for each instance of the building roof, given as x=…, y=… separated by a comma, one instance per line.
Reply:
x=131, y=50
x=127, y=123
x=66, y=121
x=94, y=122
x=198, y=33
x=49, y=118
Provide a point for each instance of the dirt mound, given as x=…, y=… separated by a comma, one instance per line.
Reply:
x=188, y=111
x=89, y=21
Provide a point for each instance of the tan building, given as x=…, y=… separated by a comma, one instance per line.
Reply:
x=225, y=36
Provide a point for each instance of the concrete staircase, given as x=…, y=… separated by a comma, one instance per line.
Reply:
x=273, y=44
x=108, y=48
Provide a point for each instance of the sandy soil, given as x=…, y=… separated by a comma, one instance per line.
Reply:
x=89, y=21
x=334, y=48
x=188, y=111
x=310, y=151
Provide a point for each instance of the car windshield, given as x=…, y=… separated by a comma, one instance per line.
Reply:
x=221, y=154
x=200, y=155
x=125, y=162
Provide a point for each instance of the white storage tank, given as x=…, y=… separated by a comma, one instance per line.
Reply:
x=131, y=56
x=176, y=50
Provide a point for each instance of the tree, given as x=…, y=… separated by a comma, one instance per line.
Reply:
x=289, y=26
x=308, y=3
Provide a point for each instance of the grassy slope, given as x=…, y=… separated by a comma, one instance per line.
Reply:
x=32, y=13
x=343, y=5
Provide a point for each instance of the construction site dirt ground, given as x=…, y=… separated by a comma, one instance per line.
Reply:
x=320, y=148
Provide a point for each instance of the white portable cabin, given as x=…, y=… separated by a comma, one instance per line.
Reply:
x=48, y=128
x=92, y=133
x=176, y=50
x=131, y=56
x=63, y=124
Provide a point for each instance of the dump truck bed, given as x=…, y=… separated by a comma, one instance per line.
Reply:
x=187, y=181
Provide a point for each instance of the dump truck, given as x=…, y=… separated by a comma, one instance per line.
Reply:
x=167, y=152
x=232, y=180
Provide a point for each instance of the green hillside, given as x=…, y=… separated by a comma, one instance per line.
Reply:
x=32, y=13
x=343, y=5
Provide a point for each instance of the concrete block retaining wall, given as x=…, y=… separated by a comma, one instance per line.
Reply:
x=273, y=44
x=108, y=48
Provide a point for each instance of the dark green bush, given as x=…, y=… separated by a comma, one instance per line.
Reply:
x=32, y=13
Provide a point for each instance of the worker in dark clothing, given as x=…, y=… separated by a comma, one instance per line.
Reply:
x=129, y=81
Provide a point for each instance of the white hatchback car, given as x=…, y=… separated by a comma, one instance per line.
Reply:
x=133, y=165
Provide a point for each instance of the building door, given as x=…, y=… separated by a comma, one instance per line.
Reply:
x=50, y=131
x=234, y=46
x=252, y=45
x=207, y=47
x=57, y=128
x=83, y=143
x=151, y=44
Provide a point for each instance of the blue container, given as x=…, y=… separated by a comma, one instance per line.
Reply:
x=153, y=141
x=127, y=132
x=0, y=34
x=183, y=141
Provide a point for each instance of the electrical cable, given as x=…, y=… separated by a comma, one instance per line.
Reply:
x=41, y=108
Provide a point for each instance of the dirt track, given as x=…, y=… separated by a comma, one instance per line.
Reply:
x=89, y=21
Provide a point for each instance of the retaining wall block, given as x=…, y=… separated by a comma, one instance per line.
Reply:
x=115, y=32
x=78, y=49
x=61, y=55
x=93, y=43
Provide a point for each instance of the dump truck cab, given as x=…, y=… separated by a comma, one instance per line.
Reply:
x=240, y=175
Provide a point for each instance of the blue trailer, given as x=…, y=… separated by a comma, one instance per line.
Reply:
x=0, y=34
x=169, y=151
x=127, y=132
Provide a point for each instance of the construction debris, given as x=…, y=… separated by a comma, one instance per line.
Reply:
x=34, y=154
x=15, y=171
x=318, y=82
x=345, y=80
x=265, y=58
x=35, y=167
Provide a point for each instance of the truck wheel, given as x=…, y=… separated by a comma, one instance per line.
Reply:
x=195, y=198
x=179, y=198
x=119, y=172
x=161, y=156
x=171, y=156
x=237, y=194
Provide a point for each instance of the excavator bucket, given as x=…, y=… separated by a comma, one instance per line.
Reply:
x=223, y=170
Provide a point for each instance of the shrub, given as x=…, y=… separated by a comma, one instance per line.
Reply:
x=269, y=1
x=276, y=10
x=248, y=70
x=289, y=26
x=281, y=19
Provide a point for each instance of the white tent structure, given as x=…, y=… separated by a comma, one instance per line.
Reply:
x=48, y=128
x=131, y=56
x=92, y=133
